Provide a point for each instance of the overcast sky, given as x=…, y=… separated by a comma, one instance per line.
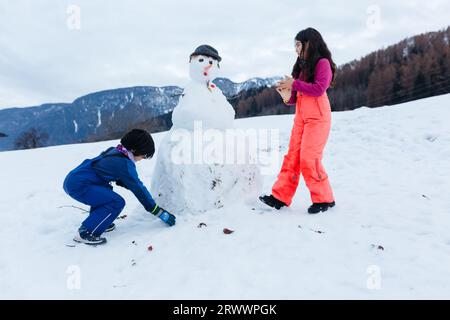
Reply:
x=47, y=54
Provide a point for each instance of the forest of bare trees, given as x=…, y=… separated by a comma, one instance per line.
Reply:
x=412, y=69
x=30, y=139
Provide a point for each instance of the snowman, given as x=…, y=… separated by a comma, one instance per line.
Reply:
x=193, y=172
x=202, y=100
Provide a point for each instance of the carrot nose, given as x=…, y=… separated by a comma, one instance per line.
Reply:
x=206, y=69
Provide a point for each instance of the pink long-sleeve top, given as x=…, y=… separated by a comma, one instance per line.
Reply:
x=322, y=79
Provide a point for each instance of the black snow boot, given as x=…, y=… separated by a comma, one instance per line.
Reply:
x=84, y=236
x=273, y=202
x=320, y=207
x=110, y=228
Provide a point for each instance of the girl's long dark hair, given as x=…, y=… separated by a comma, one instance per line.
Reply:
x=317, y=49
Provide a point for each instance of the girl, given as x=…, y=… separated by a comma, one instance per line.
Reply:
x=313, y=72
x=89, y=183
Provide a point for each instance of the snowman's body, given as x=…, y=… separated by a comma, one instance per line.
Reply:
x=203, y=103
x=197, y=186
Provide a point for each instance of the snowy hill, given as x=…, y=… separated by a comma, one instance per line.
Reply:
x=388, y=236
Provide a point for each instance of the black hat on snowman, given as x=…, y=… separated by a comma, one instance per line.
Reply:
x=206, y=50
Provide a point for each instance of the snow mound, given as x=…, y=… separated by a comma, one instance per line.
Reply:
x=198, y=187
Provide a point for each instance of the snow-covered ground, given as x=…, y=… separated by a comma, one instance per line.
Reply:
x=390, y=171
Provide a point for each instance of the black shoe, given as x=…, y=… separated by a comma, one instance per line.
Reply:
x=84, y=236
x=273, y=202
x=110, y=228
x=320, y=207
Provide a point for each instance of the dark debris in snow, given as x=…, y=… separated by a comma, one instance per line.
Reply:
x=316, y=231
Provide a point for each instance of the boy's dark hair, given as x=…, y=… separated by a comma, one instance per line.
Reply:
x=139, y=142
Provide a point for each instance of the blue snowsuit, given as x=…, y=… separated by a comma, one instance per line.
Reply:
x=90, y=183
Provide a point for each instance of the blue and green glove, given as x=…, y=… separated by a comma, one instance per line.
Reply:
x=164, y=215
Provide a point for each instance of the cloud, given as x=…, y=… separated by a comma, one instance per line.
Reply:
x=139, y=42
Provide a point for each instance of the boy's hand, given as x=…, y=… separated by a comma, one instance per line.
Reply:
x=165, y=216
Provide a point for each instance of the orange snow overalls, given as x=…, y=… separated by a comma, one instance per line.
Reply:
x=309, y=135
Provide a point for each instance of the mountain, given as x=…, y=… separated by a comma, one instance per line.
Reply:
x=414, y=68
x=231, y=89
x=386, y=238
x=100, y=114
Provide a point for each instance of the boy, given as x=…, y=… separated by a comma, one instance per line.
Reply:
x=90, y=183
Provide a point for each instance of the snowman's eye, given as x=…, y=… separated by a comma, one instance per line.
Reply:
x=201, y=60
x=210, y=62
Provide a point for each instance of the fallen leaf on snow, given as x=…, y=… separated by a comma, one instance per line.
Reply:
x=227, y=231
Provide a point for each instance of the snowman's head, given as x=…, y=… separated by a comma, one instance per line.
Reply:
x=204, y=64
